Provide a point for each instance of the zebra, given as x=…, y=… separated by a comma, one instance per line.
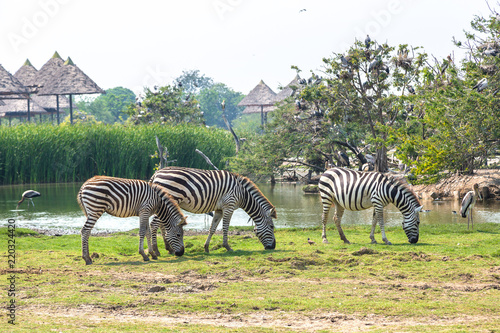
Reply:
x=130, y=197
x=357, y=190
x=222, y=192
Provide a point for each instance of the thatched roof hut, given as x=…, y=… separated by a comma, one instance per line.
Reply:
x=10, y=87
x=259, y=98
x=289, y=89
x=257, y=109
x=19, y=108
x=48, y=70
x=70, y=80
x=26, y=75
x=261, y=95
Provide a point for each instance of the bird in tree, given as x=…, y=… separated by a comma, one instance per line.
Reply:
x=468, y=203
x=481, y=85
x=367, y=41
x=29, y=195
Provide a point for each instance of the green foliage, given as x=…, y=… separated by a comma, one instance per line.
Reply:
x=44, y=153
x=110, y=107
x=165, y=105
x=211, y=98
x=193, y=82
x=455, y=126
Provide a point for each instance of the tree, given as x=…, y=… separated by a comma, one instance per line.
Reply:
x=459, y=123
x=348, y=112
x=109, y=107
x=211, y=98
x=168, y=104
x=193, y=82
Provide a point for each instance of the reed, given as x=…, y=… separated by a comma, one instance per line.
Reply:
x=45, y=153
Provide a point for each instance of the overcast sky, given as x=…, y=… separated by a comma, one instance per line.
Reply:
x=238, y=42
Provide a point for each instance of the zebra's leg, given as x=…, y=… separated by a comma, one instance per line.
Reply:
x=150, y=243
x=154, y=233
x=155, y=223
x=85, y=232
x=213, y=227
x=228, y=213
x=379, y=216
x=339, y=211
x=374, y=225
x=324, y=220
x=165, y=239
x=143, y=229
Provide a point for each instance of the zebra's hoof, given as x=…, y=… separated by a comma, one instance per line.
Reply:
x=374, y=242
x=88, y=262
x=325, y=241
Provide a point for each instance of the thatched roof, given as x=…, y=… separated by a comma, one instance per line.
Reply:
x=19, y=108
x=10, y=87
x=26, y=75
x=48, y=70
x=260, y=95
x=70, y=80
x=288, y=89
x=257, y=109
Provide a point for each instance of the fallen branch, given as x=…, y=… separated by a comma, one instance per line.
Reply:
x=206, y=159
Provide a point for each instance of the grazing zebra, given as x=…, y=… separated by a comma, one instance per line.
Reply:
x=130, y=197
x=356, y=190
x=204, y=191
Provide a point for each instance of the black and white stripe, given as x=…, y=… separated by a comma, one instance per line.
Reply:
x=130, y=197
x=222, y=192
x=356, y=190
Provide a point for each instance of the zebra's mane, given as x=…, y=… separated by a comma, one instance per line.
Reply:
x=254, y=190
x=165, y=196
x=403, y=186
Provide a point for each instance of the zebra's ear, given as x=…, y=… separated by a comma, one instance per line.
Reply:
x=183, y=221
x=273, y=213
x=418, y=209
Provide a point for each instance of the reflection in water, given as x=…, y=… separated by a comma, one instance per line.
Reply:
x=58, y=209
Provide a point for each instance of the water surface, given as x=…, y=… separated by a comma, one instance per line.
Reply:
x=58, y=210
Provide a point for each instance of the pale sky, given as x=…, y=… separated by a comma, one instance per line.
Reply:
x=237, y=42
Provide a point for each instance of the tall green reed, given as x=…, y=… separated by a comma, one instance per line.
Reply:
x=44, y=153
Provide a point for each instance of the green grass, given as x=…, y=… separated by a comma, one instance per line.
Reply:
x=448, y=282
x=44, y=153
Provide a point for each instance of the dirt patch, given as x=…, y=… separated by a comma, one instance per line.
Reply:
x=329, y=321
x=455, y=187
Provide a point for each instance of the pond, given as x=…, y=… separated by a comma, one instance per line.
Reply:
x=57, y=209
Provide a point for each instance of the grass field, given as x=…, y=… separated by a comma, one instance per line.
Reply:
x=448, y=282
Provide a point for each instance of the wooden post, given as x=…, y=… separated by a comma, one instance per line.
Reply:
x=71, y=109
x=57, y=102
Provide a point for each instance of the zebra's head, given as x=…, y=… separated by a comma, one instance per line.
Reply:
x=411, y=224
x=175, y=235
x=265, y=229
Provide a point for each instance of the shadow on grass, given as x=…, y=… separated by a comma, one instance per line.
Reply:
x=196, y=256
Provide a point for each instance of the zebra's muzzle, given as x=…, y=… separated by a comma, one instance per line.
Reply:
x=272, y=246
x=413, y=240
x=180, y=252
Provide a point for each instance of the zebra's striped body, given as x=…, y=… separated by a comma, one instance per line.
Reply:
x=130, y=197
x=356, y=190
x=222, y=192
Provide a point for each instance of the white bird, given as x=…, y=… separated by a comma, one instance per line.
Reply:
x=481, y=85
x=28, y=194
x=468, y=203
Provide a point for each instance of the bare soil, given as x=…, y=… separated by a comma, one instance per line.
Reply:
x=267, y=318
x=456, y=186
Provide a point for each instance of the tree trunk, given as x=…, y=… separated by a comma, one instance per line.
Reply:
x=381, y=160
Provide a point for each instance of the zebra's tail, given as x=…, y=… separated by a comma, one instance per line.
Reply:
x=80, y=202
